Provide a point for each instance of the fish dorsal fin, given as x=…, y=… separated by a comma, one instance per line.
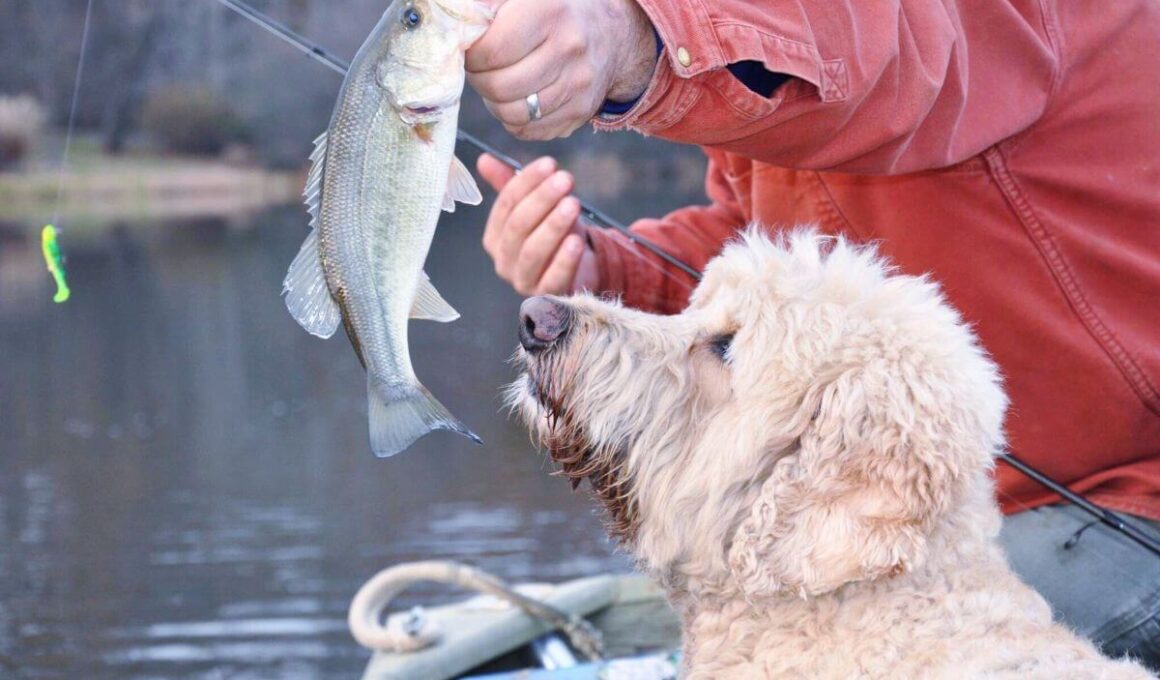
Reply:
x=313, y=191
x=307, y=295
x=461, y=187
x=429, y=304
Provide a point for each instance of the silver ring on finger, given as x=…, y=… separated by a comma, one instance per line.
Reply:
x=533, y=102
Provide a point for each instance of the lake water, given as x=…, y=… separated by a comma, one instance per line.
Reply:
x=186, y=489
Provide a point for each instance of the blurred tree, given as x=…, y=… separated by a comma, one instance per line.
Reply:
x=33, y=58
x=127, y=32
x=21, y=120
x=192, y=120
x=139, y=47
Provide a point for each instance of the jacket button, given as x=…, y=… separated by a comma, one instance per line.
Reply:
x=683, y=57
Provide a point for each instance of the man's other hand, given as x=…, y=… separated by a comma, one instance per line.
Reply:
x=533, y=233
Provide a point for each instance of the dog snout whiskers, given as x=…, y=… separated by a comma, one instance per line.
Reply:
x=543, y=321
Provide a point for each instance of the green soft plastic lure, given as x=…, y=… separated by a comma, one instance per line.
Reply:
x=55, y=262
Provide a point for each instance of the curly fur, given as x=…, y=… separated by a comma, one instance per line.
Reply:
x=818, y=502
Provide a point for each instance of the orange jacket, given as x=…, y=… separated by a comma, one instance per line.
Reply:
x=1010, y=148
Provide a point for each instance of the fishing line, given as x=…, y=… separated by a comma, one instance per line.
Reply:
x=341, y=66
x=49, y=235
x=598, y=218
x=72, y=112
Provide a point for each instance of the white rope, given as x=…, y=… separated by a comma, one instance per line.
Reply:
x=409, y=634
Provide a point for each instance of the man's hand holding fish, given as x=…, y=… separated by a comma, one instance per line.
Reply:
x=546, y=67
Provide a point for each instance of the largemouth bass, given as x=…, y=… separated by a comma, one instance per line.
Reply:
x=381, y=174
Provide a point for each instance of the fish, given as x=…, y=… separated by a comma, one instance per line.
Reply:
x=380, y=176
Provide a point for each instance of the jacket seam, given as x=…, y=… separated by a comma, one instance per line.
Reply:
x=701, y=13
x=743, y=113
x=712, y=31
x=774, y=36
x=1065, y=278
x=832, y=207
x=1053, y=36
x=1054, y=39
x=687, y=97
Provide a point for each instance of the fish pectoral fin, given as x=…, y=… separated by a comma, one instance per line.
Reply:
x=307, y=295
x=399, y=415
x=429, y=305
x=461, y=187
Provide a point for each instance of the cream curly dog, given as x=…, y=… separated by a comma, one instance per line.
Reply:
x=801, y=460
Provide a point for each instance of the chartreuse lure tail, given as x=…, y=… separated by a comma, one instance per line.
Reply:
x=55, y=262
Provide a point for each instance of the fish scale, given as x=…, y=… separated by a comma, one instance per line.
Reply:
x=380, y=181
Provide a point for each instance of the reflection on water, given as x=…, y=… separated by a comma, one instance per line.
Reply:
x=186, y=489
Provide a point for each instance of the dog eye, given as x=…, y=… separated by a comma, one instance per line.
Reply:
x=720, y=345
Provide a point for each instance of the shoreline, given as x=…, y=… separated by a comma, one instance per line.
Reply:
x=145, y=189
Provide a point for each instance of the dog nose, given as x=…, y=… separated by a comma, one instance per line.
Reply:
x=543, y=321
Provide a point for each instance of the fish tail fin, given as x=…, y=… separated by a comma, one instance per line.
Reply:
x=401, y=415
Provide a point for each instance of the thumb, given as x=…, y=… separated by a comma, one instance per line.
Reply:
x=494, y=172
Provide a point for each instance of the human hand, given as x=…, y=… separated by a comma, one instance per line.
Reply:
x=533, y=233
x=573, y=54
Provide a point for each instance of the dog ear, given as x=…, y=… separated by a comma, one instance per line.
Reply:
x=857, y=497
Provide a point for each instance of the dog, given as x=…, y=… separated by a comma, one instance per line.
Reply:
x=801, y=460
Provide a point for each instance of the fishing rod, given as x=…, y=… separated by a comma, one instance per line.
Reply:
x=594, y=216
x=1102, y=514
x=341, y=66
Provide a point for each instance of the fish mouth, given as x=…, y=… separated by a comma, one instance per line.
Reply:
x=419, y=115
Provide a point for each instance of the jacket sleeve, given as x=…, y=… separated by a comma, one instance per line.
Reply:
x=693, y=235
x=880, y=86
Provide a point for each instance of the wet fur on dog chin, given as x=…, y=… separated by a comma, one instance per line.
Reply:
x=540, y=394
x=802, y=460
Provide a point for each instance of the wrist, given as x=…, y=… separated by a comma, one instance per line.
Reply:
x=638, y=58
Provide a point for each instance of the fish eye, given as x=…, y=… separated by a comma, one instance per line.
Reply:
x=412, y=18
x=720, y=344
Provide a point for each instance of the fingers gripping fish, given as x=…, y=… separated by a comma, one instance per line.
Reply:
x=381, y=174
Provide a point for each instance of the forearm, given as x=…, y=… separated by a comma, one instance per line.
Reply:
x=638, y=61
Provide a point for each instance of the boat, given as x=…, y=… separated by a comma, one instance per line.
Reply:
x=607, y=627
